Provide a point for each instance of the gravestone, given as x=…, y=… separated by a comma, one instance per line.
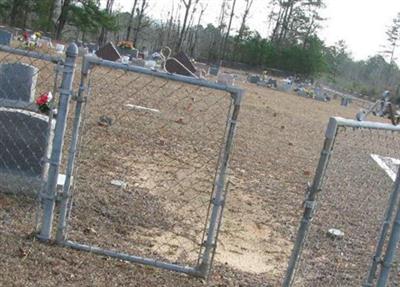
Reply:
x=254, y=79
x=108, y=52
x=214, y=70
x=23, y=148
x=319, y=96
x=180, y=64
x=344, y=101
x=5, y=38
x=18, y=82
x=60, y=48
x=286, y=85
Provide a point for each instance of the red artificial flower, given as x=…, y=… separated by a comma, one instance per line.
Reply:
x=43, y=99
x=25, y=35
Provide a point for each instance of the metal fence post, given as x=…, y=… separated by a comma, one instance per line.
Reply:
x=49, y=195
x=310, y=201
x=391, y=246
x=66, y=194
x=384, y=230
x=219, y=195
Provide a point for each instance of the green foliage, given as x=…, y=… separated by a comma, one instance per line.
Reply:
x=304, y=58
x=42, y=9
x=89, y=18
x=5, y=6
x=368, y=77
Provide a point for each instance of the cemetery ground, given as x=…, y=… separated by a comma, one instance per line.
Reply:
x=278, y=144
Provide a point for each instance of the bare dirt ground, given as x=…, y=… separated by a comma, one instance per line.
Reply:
x=277, y=147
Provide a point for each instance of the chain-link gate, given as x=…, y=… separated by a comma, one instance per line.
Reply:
x=26, y=133
x=148, y=166
x=344, y=225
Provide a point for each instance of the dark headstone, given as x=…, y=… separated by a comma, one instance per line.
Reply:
x=254, y=79
x=5, y=37
x=23, y=148
x=18, y=82
x=318, y=95
x=344, y=101
x=214, y=70
x=184, y=59
x=108, y=52
x=181, y=65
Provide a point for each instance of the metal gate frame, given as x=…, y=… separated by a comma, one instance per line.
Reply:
x=46, y=196
x=311, y=197
x=214, y=216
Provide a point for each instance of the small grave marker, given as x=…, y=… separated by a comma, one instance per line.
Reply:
x=254, y=79
x=345, y=101
x=214, y=70
x=60, y=48
x=18, y=82
x=5, y=38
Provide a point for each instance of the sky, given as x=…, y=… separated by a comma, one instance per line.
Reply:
x=360, y=23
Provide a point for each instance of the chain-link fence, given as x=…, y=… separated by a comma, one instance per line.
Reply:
x=26, y=135
x=350, y=194
x=149, y=166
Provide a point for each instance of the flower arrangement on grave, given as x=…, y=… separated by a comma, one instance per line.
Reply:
x=29, y=45
x=126, y=45
x=38, y=35
x=43, y=102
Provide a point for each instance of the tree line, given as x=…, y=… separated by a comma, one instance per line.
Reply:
x=292, y=43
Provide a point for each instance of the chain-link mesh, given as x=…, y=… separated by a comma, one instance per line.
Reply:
x=350, y=209
x=25, y=136
x=146, y=165
x=394, y=276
